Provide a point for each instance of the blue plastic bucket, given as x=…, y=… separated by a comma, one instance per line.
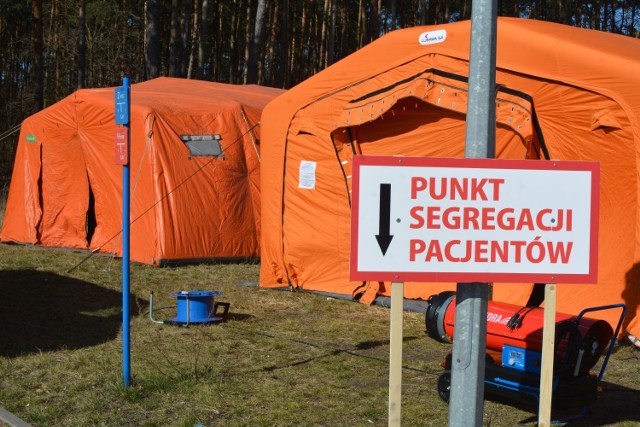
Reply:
x=195, y=306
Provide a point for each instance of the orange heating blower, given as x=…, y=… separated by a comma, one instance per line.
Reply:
x=514, y=350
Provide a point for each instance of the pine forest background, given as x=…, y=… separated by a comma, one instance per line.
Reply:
x=50, y=48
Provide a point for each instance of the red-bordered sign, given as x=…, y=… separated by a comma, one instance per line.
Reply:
x=474, y=220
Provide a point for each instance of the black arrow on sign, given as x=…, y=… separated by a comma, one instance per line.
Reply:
x=384, y=238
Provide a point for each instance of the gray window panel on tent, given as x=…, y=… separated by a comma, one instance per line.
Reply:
x=203, y=145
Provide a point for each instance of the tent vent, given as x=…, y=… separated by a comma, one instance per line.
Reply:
x=203, y=145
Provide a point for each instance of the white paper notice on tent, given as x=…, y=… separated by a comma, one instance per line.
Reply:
x=424, y=219
x=307, y=175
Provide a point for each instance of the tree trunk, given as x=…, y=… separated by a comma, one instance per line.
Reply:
x=466, y=9
x=256, y=43
x=268, y=75
x=124, y=47
x=56, y=48
x=38, y=66
x=394, y=17
x=297, y=41
x=152, y=40
x=203, y=45
x=612, y=17
x=283, y=69
x=174, y=41
x=374, y=20
x=82, y=45
x=248, y=36
x=51, y=42
x=314, y=43
x=194, y=39
x=361, y=24
x=331, y=43
x=431, y=13
x=185, y=30
x=419, y=18
x=322, y=55
x=218, y=45
x=234, y=56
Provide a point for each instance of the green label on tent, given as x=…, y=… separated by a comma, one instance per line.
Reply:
x=31, y=138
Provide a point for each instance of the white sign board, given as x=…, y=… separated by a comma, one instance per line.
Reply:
x=474, y=220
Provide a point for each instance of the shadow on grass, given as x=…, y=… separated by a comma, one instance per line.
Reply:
x=239, y=317
x=43, y=311
x=615, y=404
x=364, y=345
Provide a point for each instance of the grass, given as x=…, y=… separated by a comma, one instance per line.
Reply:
x=282, y=358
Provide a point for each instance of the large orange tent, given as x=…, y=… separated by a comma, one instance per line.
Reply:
x=66, y=188
x=562, y=93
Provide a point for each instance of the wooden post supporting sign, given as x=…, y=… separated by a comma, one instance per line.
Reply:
x=395, y=354
x=548, y=346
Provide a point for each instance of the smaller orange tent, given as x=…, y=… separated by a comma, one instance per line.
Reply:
x=562, y=93
x=66, y=188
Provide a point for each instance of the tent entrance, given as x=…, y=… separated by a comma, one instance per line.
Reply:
x=447, y=93
x=426, y=116
x=91, y=221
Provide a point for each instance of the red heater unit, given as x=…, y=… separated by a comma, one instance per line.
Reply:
x=514, y=346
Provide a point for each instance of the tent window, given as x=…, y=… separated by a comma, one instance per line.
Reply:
x=203, y=145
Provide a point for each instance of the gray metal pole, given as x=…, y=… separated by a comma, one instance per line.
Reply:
x=469, y=341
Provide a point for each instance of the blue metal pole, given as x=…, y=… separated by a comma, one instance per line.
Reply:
x=126, y=363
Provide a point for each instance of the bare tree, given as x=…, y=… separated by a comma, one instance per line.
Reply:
x=374, y=21
x=193, y=49
x=361, y=24
x=394, y=16
x=82, y=45
x=185, y=30
x=297, y=38
x=331, y=42
x=234, y=55
x=217, y=43
x=203, y=45
x=152, y=39
x=422, y=12
x=248, y=37
x=38, y=68
x=323, y=34
x=283, y=69
x=267, y=66
x=175, y=49
x=256, y=42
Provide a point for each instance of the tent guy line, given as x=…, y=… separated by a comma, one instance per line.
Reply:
x=6, y=134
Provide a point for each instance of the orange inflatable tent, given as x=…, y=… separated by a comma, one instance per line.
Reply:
x=562, y=93
x=66, y=188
